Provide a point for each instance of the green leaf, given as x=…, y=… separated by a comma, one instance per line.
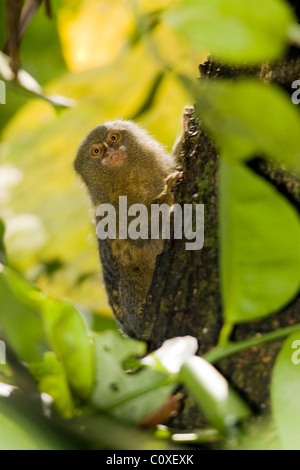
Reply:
x=235, y=31
x=20, y=429
x=20, y=316
x=260, y=250
x=249, y=118
x=223, y=407
x=98, y=431
x=34, y=323
x=52, y=380
x=285, y=393
x=68, y=336
x=25, y=83
x=2, y=246
x=259, y=433
x=13, y=436
x=129, y=396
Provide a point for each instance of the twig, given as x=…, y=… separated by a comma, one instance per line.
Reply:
x=13, y=8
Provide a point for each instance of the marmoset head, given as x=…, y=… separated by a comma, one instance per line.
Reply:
x=117, y=154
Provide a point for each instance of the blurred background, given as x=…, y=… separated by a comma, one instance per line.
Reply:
x=100, y=54
x=83, y=62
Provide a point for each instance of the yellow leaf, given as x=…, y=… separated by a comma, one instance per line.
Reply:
x=94, y=33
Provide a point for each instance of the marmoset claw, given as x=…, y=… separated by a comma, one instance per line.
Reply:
x=173, y=179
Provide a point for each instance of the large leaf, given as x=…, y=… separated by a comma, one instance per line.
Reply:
x=25, y=83
x=52, y=380
x=259, y=433
x=285, y=393
x=40, y=53
x=68, y=336
x=130, y=396
x=21, y=429
x=223, y=407
x=2, y=246
x=248, y=117
x=33, y=323
x=260, y=249
x=84, y=26
x=235, y=31
x=21, y=319
x=20, y=316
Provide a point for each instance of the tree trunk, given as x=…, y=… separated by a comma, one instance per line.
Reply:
x=184, y=298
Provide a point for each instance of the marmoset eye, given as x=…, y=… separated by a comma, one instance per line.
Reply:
x=114, y=138
x=96, y=150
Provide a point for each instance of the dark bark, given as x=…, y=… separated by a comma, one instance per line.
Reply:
x=177, y=297
x=185, y=294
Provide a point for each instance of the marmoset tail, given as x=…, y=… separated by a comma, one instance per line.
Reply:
x=116, y=159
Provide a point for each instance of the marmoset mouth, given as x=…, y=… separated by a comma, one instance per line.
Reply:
x=114, y=157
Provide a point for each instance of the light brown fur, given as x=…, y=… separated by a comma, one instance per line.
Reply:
x=140, y=173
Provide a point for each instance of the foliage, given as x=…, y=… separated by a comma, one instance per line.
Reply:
x=250, y=262
x=284, y=396
x=239, y=33
x=77, y=360
x=76, y=368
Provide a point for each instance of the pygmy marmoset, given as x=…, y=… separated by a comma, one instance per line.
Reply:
x=115, y=159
